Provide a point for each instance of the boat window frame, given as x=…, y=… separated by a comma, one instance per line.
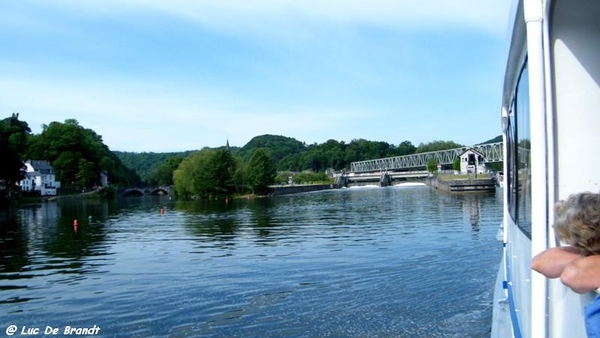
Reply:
x=518, y=179
x=508, y=176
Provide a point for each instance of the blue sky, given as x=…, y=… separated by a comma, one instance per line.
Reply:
x=180, y=75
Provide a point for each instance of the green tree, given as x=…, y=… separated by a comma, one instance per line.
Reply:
x=13, y=141
x=456, y=164
x=184, y=175
x=202, y=176
x=282, y=177
x=277, y=147
x=78, y=156
x=86, y=174
x=406, y=148
x=147, y=164
x=163, y=175
x=261, y=172
x=436, y=146
x=432, y=165
x=222, y=169
x=289, y=163
x=306, y=177
x=206, y=174
x=239, y=176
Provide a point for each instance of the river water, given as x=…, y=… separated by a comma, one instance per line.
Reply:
x=403, y=261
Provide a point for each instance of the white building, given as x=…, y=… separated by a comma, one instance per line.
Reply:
x=472, y=161
x=40, y=177
x=104, y=179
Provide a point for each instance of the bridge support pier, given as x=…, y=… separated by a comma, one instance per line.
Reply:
x=385, y=180
x=341, y=181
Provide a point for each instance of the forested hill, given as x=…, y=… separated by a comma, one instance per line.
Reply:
x=145, y=163
x=80, y=157
x=77, y=154
x=494, y=140
x=278, y=147
x=293, y=155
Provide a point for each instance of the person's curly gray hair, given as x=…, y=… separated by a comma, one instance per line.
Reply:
x=578, y=222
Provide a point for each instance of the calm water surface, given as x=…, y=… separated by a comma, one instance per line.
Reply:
x=370, y=262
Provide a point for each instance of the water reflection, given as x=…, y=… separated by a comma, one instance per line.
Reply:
x=41, y=247
x=209, y=219
x=471, y=208
x=345, y=262
x=13, y=244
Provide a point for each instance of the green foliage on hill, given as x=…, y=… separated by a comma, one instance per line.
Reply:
x=277, y=147
x=13, y=141
x=206, y=174
x=260, y=172
x=78, y=156
x=148, y=165
x=436, y=146
x=494, y=140
x=163, y=175
x=287, y=154
x=292, y=155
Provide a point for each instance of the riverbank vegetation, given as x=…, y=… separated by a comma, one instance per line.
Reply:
x=79, y=157
x=288, y=155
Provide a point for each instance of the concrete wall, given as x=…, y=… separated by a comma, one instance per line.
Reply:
x=462, y=185
x=295, y=189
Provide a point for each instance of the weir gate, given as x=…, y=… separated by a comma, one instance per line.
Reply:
x=386, y=170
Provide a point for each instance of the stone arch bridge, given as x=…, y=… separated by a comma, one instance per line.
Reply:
x=145, y=191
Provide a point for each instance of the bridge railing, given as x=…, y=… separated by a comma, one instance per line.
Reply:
x=492, y=152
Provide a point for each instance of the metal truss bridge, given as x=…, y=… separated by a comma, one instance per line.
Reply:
x=492, y=152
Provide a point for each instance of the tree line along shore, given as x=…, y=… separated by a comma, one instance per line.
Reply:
x=79, y=156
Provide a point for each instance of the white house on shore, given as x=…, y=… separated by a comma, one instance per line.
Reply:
x=39, y=177
x=472, y=161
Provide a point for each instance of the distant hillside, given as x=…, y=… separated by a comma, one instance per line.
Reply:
x=145, y=163
x=291, y=154
x=276, y=146
x=494, y=140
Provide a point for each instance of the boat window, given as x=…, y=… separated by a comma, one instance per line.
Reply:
x=523, y=156
x=518, y=178
x=510, y=179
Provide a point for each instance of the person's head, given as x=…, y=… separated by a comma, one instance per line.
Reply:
x=577, y=222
